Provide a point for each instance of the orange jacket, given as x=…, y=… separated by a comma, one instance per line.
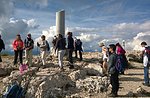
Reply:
x=18, y=45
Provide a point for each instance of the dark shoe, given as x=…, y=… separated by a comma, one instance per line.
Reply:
x=146, y=84
x=112, y=95
x=71, y=67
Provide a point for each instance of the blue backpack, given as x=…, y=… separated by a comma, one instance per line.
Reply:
x=119, y=64
x=14, y=91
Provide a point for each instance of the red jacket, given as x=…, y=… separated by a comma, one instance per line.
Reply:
x=18, y=45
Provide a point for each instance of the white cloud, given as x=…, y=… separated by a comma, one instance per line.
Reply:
x=10, y=29
x=6, y=9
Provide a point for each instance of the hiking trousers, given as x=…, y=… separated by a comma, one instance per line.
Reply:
x=28, y=57
x=114, y=81
x=20, y=53
x=43, y=57
x=61, y=54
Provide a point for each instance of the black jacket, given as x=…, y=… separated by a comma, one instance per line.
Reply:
x=60, y=44
x=70, y=41
x=112, y=62
x=2, y=45
x=78, y=45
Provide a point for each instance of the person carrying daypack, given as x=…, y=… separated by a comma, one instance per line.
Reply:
x=78, y=47
x=44, y=47
x=145, y=52
x=114, y=79
x=29, y=45
x=2, y=47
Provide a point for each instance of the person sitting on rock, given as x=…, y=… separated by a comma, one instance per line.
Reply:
x=60, y=46
x=2, y=46
x=44, y=47
x=18, y=46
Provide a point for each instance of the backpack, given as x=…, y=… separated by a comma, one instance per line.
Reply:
x=119, y=64
x=22, y=68
x=78, y=42
x=29, y=43
x=14, y=91
x=147, y=51
x=48, y=47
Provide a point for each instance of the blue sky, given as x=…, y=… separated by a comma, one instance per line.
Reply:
x=85, y=13
x=110, y=20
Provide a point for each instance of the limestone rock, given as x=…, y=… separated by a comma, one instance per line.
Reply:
x=94, y=69
x=92, y=84
x=79, y=74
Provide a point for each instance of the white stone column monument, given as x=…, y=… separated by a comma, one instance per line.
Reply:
x=60, y=22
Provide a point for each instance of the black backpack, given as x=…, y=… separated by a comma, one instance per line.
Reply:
x=147, y=52
x=78, y=42
x=48, y=47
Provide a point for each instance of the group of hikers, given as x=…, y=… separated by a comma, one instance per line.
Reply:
x=61, y=46
x=114, y=58
x=115, y=63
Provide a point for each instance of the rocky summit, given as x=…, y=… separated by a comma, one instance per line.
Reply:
x=84, y=81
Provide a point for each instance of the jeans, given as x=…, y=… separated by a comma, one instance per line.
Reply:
x=61, y=54
x=18, y=52
x=114, y=81
x=28, y=56
x=146, y=75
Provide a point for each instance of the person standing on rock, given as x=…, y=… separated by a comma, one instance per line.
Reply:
x=2, y=47
x=44, y=47
x=29, y=45
x=70, y=47
x=146, y=63
x=61, y=47
x=114, y=80
x=18, y=46
x=78, y=47
x=105, y=58
x=54, y=46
